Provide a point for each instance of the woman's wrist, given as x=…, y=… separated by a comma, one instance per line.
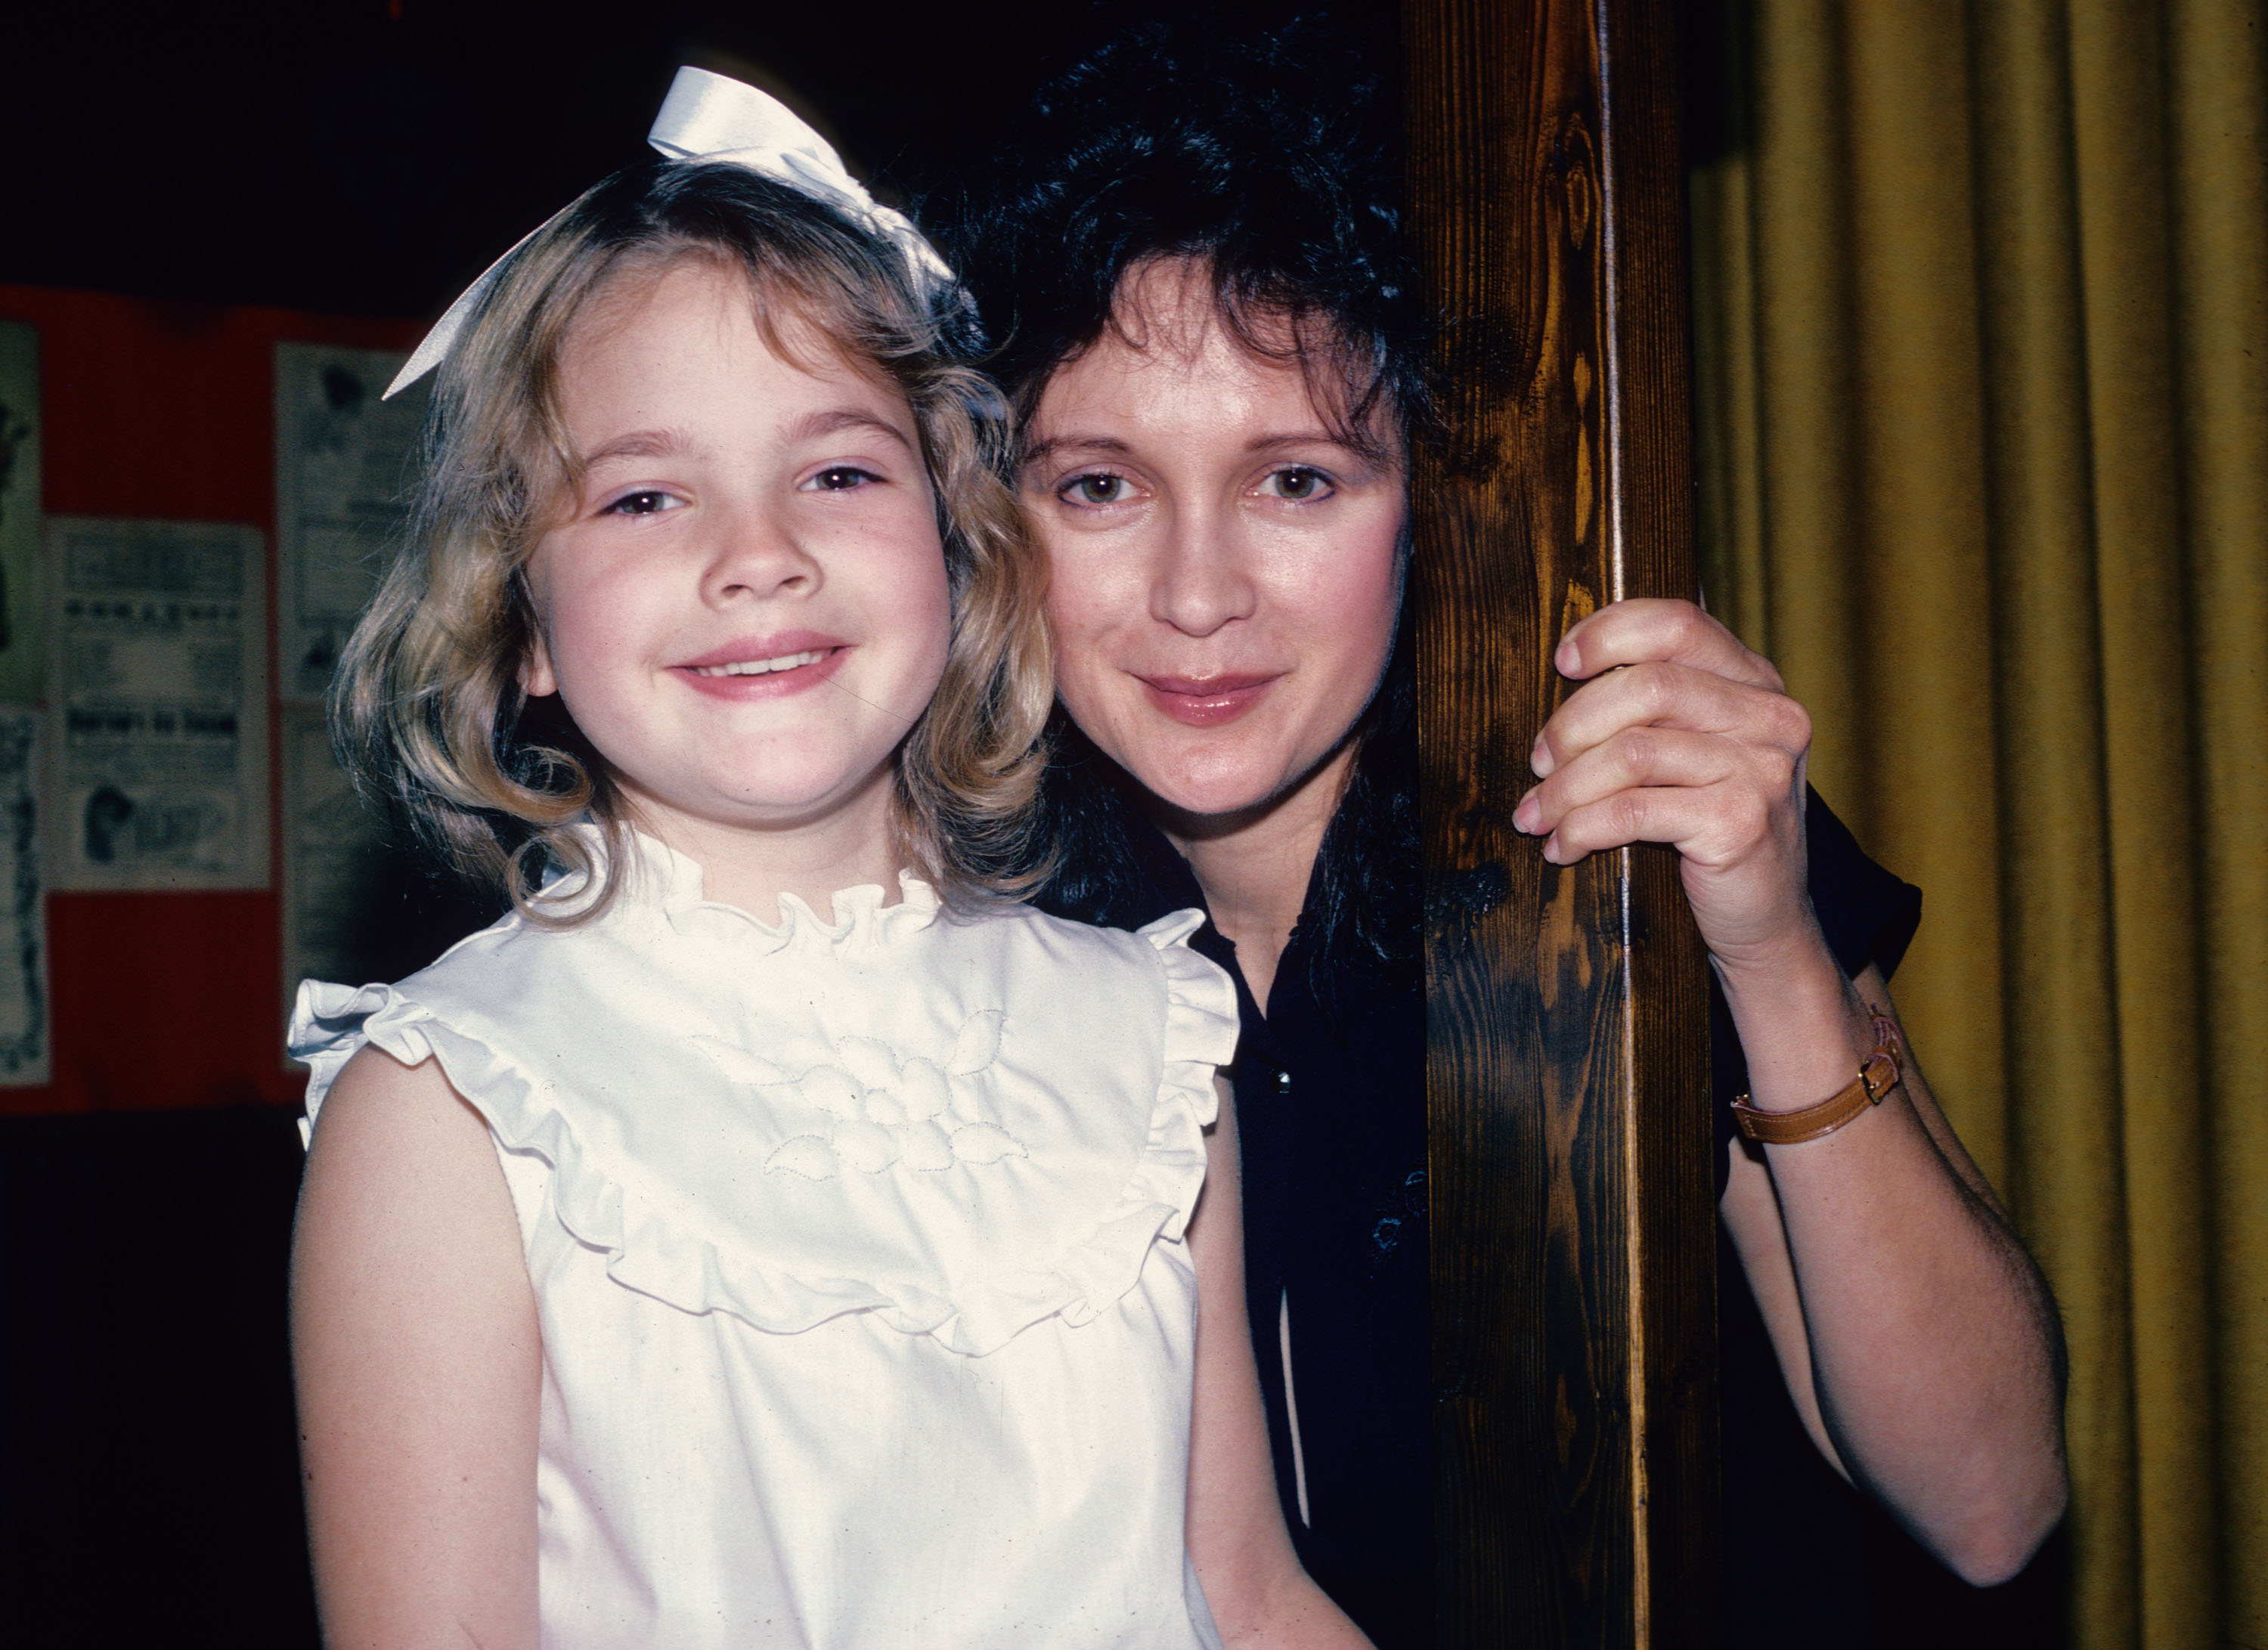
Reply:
x=1802, y=1027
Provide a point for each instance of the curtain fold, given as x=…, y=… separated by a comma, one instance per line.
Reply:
x=1981, y=314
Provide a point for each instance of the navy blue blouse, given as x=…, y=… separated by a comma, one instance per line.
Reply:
x=1331, y=1099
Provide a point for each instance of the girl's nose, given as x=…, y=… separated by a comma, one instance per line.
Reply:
x=752, y=554
x=1201, y=581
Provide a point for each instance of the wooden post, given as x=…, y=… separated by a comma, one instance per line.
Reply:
x=1567, y=1064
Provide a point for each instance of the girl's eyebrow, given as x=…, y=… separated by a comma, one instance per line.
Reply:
x=667, y=443
x=812, y=426
x=639, y=443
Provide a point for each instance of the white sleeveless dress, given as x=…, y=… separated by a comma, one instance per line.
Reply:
x=856, y=1248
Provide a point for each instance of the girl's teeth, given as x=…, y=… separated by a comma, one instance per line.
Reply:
x=760, y=666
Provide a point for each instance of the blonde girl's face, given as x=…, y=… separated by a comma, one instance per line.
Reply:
x=744, y=604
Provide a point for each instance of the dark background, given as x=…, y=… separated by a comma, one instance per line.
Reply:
x=367, y=158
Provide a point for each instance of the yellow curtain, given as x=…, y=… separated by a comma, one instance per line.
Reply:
x=1982, y=325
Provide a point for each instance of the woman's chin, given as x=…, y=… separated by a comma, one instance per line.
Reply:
x=1225, y=794
x=1221, y=796
x=1222, y=808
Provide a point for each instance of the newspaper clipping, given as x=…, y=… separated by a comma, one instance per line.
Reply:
x=23, y=931
x=19, y=514
x=332, y=852
x=343, y=469
x=158, y=714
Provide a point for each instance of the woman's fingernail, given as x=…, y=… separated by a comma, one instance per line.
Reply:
x=1539, y=759
x=1552, y=847
x=1527, y=814
x=1567, y=658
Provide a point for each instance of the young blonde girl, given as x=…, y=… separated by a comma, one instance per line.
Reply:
x=719, y=1249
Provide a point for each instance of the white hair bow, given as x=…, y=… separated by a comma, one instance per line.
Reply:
x=708, y=117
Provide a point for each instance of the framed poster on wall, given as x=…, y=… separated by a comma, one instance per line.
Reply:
x=19, y=514
x=342, y=470
x=24, y=1027
x=332, y=847
x=157, y=712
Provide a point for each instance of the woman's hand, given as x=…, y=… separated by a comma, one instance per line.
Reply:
x=1680, y=734
x=1915, y=1336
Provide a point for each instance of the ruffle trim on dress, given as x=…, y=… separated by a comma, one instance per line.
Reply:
x=669, y=881
x=649, y=1251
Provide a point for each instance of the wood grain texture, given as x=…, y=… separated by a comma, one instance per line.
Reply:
x=1568, y=1062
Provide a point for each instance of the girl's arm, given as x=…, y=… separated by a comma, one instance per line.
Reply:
x=415, y=1353
x=1259, y=1593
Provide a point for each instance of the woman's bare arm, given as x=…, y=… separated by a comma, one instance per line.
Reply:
x=1916, y=1334
x=415, y=1353
x=1259, y=1593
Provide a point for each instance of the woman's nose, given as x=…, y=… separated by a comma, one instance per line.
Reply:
x=1201, y=582
x=751, y=553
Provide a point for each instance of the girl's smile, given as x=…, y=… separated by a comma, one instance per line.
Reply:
x=767, y=666
x=744, y=604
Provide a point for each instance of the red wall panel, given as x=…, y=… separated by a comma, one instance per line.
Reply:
x=167, y=411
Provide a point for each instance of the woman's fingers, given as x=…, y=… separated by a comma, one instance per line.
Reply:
x=1659, y=693
x=1682, y=736
x=1646, y=628
x=1740, y=843
x=1646, y=759
x=1710, y=826
x=1633, y=758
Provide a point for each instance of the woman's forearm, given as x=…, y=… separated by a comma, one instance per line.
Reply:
x=1918, y=1337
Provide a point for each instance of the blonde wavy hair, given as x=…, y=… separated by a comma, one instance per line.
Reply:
x=427, y=710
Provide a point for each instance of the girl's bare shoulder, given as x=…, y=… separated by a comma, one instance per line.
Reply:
x=399, y=1159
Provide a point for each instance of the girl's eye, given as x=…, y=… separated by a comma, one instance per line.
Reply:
x=651, y=501
x=1100, y=488
x=1297, y=482
x=840, y=478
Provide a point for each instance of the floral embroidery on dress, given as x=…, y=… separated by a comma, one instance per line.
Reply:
x=885, y=1108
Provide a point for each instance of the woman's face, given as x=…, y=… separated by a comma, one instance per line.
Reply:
x=1225, y=571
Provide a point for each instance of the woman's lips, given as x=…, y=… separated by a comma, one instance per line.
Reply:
x=1207, y=702
x=764, y=666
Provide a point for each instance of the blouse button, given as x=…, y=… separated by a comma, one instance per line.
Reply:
x=1283, y=1082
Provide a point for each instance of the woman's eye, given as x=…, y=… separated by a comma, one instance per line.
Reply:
x=1101, y=487
x=841, y=478
x=648, y=502
x=1297, y=482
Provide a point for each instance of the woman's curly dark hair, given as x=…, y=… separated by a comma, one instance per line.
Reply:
x=1271, y=158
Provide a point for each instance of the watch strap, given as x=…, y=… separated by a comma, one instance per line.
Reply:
x=1876, y=1078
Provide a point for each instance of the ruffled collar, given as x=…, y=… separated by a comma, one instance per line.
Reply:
x=664, y=882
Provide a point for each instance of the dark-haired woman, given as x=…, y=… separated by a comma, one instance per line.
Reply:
x=1211, y=337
